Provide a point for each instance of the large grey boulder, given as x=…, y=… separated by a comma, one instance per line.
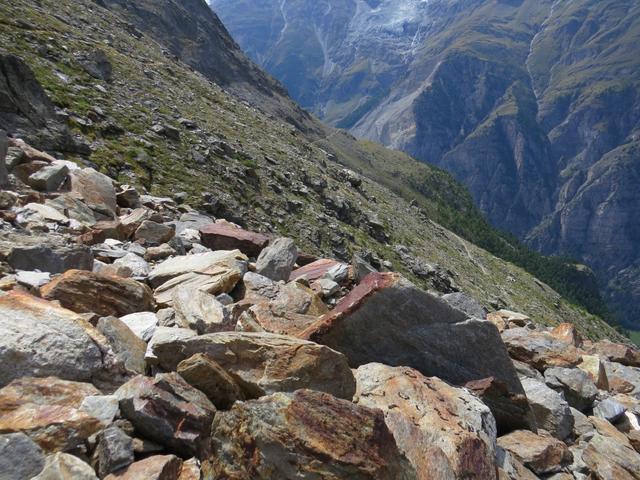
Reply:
x=389, y=320
x=39, y=338
x=576, y=385
x=128, y=348
x=277, y=260
x=114, y=452
x=466, y=304
x=200, y=311
x=49, y=178
x=47, y=253
x=263, y=363
x=96, y=190
x=551, y=410
x=20, y=457
x=143, y=324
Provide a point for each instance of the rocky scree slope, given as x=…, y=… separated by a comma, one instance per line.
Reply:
x=116, y=100
x=533, y=105
x=142, y=338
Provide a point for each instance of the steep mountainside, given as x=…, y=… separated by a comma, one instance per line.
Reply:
x=533, y=104
x=124, y=104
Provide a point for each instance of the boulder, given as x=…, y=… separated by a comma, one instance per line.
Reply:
x=540, y=348
x=153, y=254
x=594, y=367
x=20, y=457
x=221, y=236
x=131, y=221
x=616, y=352
x=581, y=423
x=550, y=409
x=152, y=233
x=166, y=335
x=127, y=347
x=114, y=451
x=609, y=410
x=621, y=378
x=137, y=265
x=40, y=214
x=264, y=363
x=157, y=467
x=315, y=270
x=575, y=384
x=39, y=338
x=105, y=295
x=211, y=272
x=285, y=309
x=47, y=254
x=142, y=324
x=465, y=303
x=169, y=411
x=424, y=414
x=48, y=410
x=200, y=311
x=542, y=453
x=510, y=410
x=49, y=178
x=277, y=260
x=389, y=320
x=62, y=466
x=210, y=378
x=103, y=407
x=609, y=454
x=305, y=434
x=73, y=208
x=506, y=319
x=96, y=190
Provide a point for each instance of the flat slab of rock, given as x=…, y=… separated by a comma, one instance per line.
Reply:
x=169, y=411
x=543, y=454
x=550, y=409
x=220, y=236
x=49, y=178
x=389, y=320
x=105, y=295
x=96, y=190
x=50, y=253
x=66, y=467
x=264, y=363
x=48, y=410
x=157, y=467
x=609, y=453
x=315, y=270
x=540, y=349
x=304, y=434
x=426, y=414
x=39, y=338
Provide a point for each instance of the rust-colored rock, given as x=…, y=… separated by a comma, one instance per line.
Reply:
x=264, y=363
x=315, y=270
x=221, y=236
x=616, y=352
x=426, y=414
x=540, y=452
x=304, y=434
x=568, y=333
x=157, y=467
x=84, y=292
x=541, y=349
x=48, y=411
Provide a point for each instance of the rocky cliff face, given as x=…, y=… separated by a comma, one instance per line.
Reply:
x=533, y=105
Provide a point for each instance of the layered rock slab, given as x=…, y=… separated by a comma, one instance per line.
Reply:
x=426, y=415
x=304, y=435
x=264, y=363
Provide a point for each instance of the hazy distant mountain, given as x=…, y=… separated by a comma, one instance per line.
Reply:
x=533, y=104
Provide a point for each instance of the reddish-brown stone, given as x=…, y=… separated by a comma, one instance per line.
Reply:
x=314, y=270
x=220, y=236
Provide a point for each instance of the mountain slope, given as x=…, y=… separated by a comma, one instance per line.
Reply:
x=533, y=105
x=156, y=123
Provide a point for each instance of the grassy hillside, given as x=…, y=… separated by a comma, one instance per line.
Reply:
x=258, y=170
